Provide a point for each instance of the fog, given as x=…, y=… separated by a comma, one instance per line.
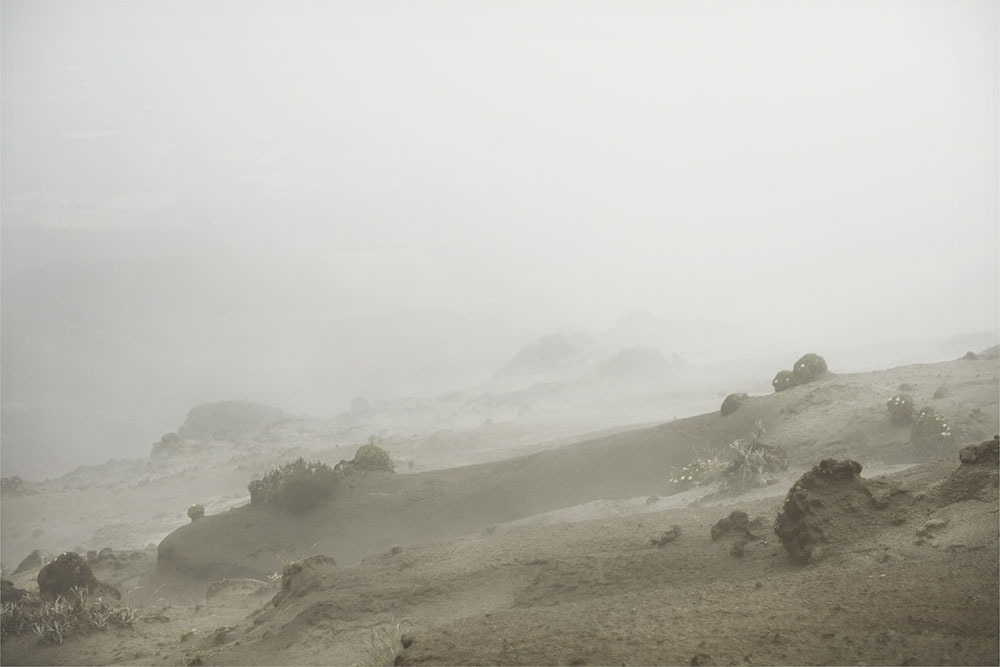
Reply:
x=299, y=203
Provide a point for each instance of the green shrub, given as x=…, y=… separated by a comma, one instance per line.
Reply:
x=929, y=432
x=809, y=367
x=296, y=487
x=732, y=403
x=901, y=409
x=783, y=380
x=373, y=457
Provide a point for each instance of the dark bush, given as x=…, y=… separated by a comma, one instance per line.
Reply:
x=67, y=571
x=296, y=487
x=732, y=403
x=929, y=432
x=901, y=409
x=783, y=380
x=809, y=367
x=373, y=457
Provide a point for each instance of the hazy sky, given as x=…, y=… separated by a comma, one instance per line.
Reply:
x=301, y=202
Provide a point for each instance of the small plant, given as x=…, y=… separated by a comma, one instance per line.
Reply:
x=196, y=512
x=783, y=380
x=296, y=487
x=809, y=367
x=373, y=457
x=901, y=409
x=383, y=645
x=696, y=473
x=753, y=463
x=930, y=432
x=53, y=620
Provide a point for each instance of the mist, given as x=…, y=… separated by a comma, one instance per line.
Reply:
x=300, y=203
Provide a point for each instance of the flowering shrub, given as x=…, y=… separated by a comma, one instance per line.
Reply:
x=696, y=473
x=929, y=432
x=901, y=409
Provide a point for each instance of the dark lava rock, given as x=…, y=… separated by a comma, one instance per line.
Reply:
x=737, y=522
x=668, y=536
x=69, y=570
x=985, y=453
x=301, y=577
x=823, y=497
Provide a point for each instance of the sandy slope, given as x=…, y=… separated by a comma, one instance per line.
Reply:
x=486, y=577
x=842, y=416
x=598, y=592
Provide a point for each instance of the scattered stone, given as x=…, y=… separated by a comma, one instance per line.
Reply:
x=653, y=499
x=985, y=453
x=196, y=512
x=668, y=536
x=300, y=577
x=701, y=659
x=739, y=547
x=396, y=550
x=736, y=522
x=407, y=640
x=930, y=526
x=971, y=356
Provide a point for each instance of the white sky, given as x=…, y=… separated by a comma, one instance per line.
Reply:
x=301, y=202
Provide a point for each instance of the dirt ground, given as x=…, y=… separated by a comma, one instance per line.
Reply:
x=550, y=558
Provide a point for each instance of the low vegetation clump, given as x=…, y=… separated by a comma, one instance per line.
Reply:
x=296, y=487
x=732, y=403
x=373, y=457
x=808, y=368
x=753, y=465
x=930, y=432
x=11, y=484
x=696, y=473
x=76, y=612
x=901, y=410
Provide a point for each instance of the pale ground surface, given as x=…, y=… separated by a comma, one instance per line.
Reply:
x=564, y=572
